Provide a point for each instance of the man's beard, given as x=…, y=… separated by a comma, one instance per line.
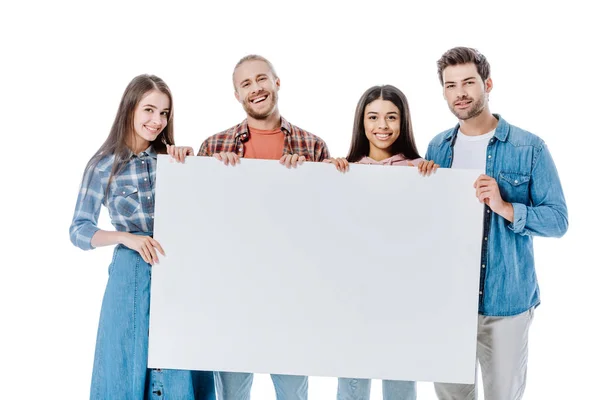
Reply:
x=264, y=114
x=476, y=109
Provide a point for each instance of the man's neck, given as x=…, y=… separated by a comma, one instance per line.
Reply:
x=479, y=125
x=270, y=123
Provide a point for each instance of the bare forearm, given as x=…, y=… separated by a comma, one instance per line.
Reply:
x=108, y=238
x=507, y=212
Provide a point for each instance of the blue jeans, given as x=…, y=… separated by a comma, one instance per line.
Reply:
x=360, y=389
x=237, y=385
x=120, y=363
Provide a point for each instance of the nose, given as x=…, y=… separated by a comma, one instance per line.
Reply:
x=383, y=124
x=461, y=92
x=157, y=118
x=255, y=87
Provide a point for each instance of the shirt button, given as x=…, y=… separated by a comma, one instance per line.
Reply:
x=516, y=181
x=485, y=238
x=490, y=156
x=143, y=162
x=480, y=292
x=145, y=179
x=123, y=192
x=483, y=266
x=153, y=217
x=488, y=211
x=148, y=197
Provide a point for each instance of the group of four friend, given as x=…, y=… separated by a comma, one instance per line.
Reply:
x=520, y=189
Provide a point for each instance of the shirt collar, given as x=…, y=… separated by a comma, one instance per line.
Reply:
x=149, y=152
x=286, y=128
x=501, y=130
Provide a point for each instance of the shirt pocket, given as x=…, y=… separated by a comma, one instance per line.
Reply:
x=126, y=200
x=514, y=187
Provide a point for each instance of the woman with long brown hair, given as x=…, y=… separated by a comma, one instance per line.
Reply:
x=382, y=135
x=121, y=176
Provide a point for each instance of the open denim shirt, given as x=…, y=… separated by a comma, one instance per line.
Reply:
x=527, y=177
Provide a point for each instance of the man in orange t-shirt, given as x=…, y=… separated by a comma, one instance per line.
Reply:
x=264, y=134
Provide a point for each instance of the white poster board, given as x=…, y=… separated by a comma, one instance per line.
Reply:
x=371, y=274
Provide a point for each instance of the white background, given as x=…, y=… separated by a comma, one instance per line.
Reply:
x=64, y=66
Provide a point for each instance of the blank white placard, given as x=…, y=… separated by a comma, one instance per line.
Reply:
x=373, y=273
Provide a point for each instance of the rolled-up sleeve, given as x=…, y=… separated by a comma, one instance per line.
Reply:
x=87, y=210
x=547, y=215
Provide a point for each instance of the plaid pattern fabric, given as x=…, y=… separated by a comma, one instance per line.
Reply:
x=130, y=199
x=296, y=141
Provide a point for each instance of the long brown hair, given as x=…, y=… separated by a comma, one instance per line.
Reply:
x=405, y=144
x=122, y=128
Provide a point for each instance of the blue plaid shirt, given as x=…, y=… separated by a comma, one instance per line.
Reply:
x=130, y=199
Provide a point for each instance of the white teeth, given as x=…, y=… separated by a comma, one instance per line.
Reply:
x=259, y=99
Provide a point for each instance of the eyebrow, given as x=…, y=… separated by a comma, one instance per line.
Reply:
x=256, y=77
x=464, y=80
x=156, y=108
x=375, y=112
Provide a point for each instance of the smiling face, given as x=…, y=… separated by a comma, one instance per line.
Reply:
x=149, y=119
x=256, y=88
x=382, y=127
x=464, y=90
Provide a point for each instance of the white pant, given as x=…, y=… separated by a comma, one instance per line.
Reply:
x=502, y=355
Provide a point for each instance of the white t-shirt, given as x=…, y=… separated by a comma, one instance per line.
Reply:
x=470, y=151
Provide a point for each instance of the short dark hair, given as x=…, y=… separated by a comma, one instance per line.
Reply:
x=464, y=55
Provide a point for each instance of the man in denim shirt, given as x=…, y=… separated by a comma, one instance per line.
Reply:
x=522, y=198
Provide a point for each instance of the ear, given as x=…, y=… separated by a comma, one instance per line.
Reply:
x=278, y=83
x=489, y=85
x=237, y=96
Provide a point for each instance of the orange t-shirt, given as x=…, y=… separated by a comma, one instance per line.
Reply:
x=265, y=145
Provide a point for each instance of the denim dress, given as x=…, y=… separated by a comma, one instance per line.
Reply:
x=120, y=362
